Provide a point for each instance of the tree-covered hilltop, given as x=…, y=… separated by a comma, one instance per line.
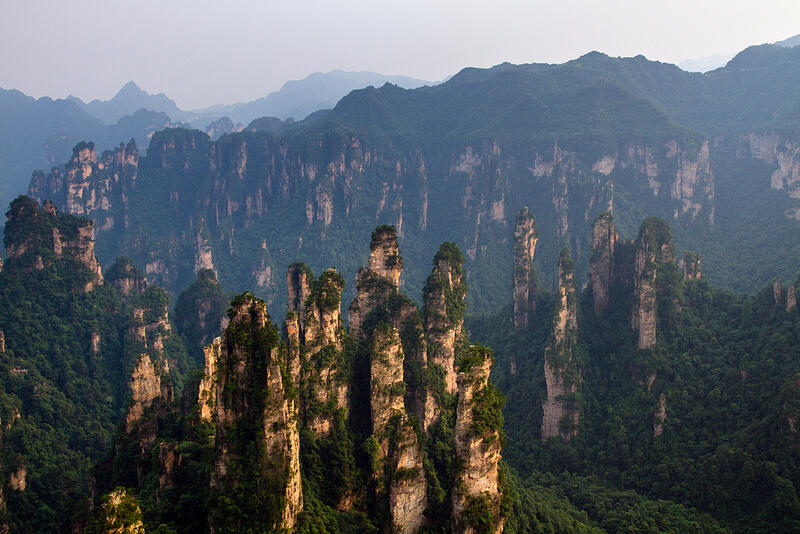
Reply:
x=715, y=154
x=704, y=415
x=68, y=344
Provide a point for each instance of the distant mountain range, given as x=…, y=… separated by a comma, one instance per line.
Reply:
x=127, y=101
x=299, y=98
x=37, y=133
x=709, y=63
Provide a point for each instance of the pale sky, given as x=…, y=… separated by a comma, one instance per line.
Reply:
x=202, y=52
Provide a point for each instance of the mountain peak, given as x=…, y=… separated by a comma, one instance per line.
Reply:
x=131, y=89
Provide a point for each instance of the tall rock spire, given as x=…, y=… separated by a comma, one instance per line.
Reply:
x=444, y=294
x=525, y=281
x=323, y=378
x=653, y=248
x=604, y=241
x=478, y=428
x=399, y=471
x=561, y=370
x=378, y=280
x=250, y=400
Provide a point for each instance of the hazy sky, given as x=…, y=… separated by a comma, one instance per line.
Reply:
x=202, y=52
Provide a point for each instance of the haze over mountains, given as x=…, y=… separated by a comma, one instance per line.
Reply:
x=624, y=234
x=717, y=154
x=709, y=63
x=37, y=133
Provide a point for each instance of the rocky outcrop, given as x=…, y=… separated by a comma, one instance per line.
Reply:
x=783, y=154
x=399, y=472
x=477, y=446
x=526, y=282
x=560, y=415
x=378, y=299
x=203, y=256
x=150, y=327
x=248, y=360
x=660, y=416
x=119, y=513
x=90, y=185
x=38, y=237
x=298, y=280
x=378, y=280
x=691, y=264
x=777, y=292
x=208, y=400
x=791, y=299
x=653, y=248
x=18, y=479
x=604, y=242
x=126, y=277
x=146, y=388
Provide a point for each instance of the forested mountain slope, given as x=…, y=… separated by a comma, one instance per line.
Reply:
x=666, y=385
x=715, y=154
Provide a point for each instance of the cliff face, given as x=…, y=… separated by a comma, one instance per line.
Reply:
x=229, y=203
x=92, y=186
x=38, y=237
x=653, y=248
x=146, y=388
x=378, y=298
x=477, y=446
x=525, y=281
x=249, y=398
x=604, y=241
x=783, y=155
x=562, y=373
